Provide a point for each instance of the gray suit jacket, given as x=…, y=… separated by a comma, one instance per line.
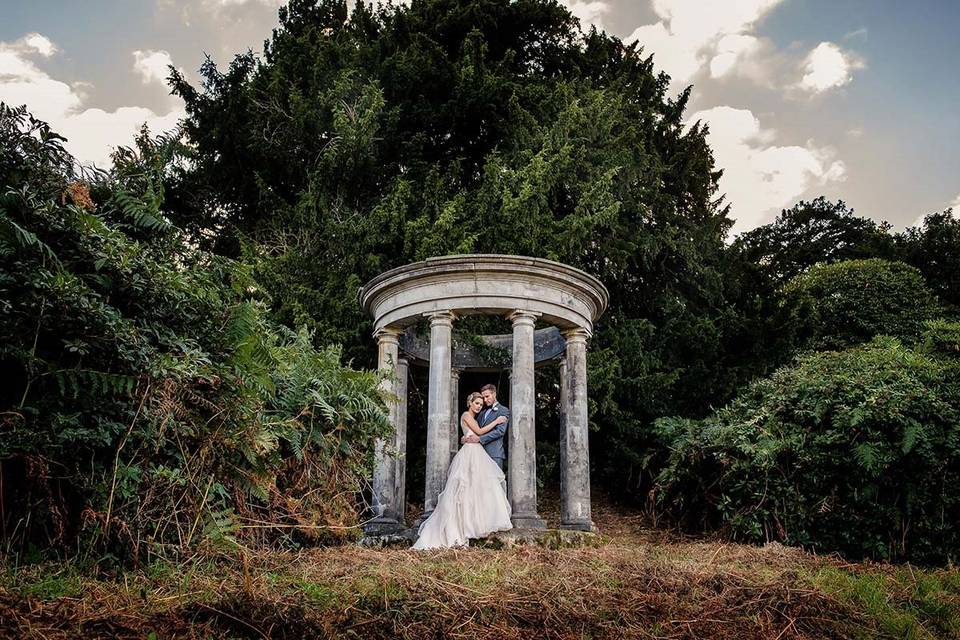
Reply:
x=492, y=441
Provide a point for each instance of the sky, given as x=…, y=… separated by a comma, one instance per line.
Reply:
x=856, y=100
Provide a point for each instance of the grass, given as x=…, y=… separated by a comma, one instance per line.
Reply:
x=639, y=583
x=903, y=602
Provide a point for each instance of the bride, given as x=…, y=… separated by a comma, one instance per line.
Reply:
x=473, y=502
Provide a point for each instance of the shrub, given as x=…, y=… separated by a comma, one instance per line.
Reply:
x=847, y=303
x=856, y=451
x=151, y=403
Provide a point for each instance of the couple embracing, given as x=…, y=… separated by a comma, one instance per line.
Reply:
x=473, y=502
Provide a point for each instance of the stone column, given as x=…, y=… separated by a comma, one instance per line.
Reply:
x=438, y=408
x=564, y=402
x=574, y=450
x=400, y=442
x=455, y=411
x=522, y=455
x=384, y=505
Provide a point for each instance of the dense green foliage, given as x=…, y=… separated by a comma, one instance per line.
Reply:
x=934, y=249
x=170, y=326
x=846, y=303
x=457, y=126
x=856, y=451
x=149, y=399
x=773, y=322
x=811, y=233
x=366, y=140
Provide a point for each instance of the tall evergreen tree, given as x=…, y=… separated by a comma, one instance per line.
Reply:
x=365, y=140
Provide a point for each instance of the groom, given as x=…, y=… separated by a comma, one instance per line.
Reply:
x=492, y=441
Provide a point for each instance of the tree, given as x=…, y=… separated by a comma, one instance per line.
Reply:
x=811, y=233
x=454, y=126
x=934, y=249
x=762, y=335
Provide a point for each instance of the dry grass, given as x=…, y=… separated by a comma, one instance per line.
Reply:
x=639, y=584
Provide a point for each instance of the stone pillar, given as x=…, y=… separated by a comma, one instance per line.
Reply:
x=522, y=455
x=400, y=442
x=385, y=514
x=455, y=411
x=574, y=450
x=438, y=408
x=564, y=402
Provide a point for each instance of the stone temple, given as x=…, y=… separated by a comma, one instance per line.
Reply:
x=527, y=291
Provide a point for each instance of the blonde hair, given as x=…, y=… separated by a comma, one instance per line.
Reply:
x=473, y=396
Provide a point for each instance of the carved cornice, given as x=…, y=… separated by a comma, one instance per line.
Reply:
x=485, y=284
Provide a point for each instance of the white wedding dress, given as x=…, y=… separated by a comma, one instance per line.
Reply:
x=473, y=502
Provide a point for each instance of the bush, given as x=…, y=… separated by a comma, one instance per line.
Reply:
x=847, y=303
x=150, y=402
x=855, y=451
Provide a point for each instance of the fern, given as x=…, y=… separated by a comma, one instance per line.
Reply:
x=221, y=528
x=71, y=382
x=143, y=211
x=912, y=434
x=130, y=345
x=13, y=235
x=867, y=456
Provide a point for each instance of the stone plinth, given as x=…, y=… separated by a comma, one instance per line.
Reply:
x=546, y=538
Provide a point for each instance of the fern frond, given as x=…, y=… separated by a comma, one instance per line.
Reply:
x=14, y=235
x=71, y=382
x=143, y=211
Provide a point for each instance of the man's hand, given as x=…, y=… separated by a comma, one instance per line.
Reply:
x=470, y=438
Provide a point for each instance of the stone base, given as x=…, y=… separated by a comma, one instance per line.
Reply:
x=383, y=527
x=533, y=522
x=401, y=540
x=547, y=538
x=419, y=521
x=586, y=525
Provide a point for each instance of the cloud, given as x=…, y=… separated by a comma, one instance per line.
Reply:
x=94, y=133
x=862, y=32
x=91, y=133
x=22, y=82
x=234, y=3
x=954, y=204
x=692, y=33
x=39, y=43
x=828, y=66
x=153, y=66
x=759, y=178
x=587, y=11
x=216, y=5
x=731, y=49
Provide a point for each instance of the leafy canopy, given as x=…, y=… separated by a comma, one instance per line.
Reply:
x=150, y=400
x=842, y=304
x=856, y=451
x=363, y=141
